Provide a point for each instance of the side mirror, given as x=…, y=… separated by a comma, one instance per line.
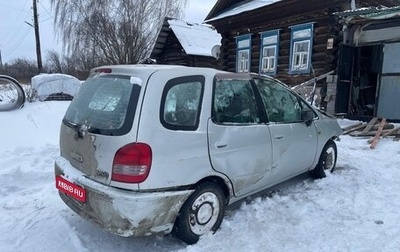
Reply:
x=307, y=116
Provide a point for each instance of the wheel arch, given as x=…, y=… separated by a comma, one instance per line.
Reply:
x=183, y=227
x=317, y=171
x=321, y=145
x=223, y=183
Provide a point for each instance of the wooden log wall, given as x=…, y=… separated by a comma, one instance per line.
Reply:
x=325, y=26
x=282, y=15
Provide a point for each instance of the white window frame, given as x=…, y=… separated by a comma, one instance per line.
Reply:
x=301, y=55
x=243, y=62
x=268, y=63
x=243, y=53
x=300, y=61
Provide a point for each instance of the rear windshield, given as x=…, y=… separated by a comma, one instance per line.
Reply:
x=105, y=105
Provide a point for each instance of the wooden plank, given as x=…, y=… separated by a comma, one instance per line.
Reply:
x=390, y=132
x=359, y=127
x=370, y=124
x=369, y=133
x=310, y=82
x=387, y=126
x=352, y=126
x=375, y=140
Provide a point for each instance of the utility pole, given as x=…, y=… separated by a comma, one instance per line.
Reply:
x=1, y=61
x=37, y=37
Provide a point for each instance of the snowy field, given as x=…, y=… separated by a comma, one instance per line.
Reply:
x=355, y=209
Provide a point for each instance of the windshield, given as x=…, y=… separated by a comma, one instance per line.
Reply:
x=102, y=105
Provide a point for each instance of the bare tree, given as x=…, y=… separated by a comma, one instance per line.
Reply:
x=54, y=62
x=21, y=69
x=77, y=65
x=112, y=31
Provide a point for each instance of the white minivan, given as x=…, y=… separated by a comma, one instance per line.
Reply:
x=150, y=149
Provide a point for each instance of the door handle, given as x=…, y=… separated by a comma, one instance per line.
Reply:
x=219, y=145
x=279, y=137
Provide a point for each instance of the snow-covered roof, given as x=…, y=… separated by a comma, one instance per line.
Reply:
x=196, y=39
x=381, y=12
x=243, y=7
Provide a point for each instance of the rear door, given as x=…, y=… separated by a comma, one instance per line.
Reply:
x=171, y=123
x=239, y=143
x=103, y=109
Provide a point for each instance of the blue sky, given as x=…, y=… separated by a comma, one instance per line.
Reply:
x=17, y=38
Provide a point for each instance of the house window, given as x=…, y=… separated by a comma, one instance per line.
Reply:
x=268, y=59
x=301, y=48
x=269, y=52
x=243, y=53
x=300, y=55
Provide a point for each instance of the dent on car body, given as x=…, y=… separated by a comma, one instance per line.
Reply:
x=125, y=213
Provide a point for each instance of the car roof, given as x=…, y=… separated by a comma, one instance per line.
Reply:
x=148, y=69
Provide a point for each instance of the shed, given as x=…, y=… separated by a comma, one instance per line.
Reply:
x=369, y=70
x=189, y=44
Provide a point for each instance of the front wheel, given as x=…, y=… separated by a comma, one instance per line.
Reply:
x=327, y=161
x=202, y=212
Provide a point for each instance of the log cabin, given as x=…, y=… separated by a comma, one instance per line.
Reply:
x=293, y=40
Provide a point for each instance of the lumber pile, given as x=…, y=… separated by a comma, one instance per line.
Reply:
x=376, y=129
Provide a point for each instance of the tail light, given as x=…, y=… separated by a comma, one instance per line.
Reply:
x=132, y=163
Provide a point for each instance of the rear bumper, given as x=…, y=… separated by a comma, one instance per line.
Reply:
x=122, y=212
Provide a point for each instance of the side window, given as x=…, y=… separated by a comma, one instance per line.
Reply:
x=181, y=103
x=281, y=105
x=234, y=102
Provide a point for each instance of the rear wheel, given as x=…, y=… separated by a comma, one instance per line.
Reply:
x=202, y=212
x=327, y=161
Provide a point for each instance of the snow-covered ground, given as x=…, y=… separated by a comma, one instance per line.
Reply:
x=355, y=209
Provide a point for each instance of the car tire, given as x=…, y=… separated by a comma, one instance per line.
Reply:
x=202, y=213
x=327, y=161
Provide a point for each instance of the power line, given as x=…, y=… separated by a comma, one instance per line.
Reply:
x=16, y=25
x=45, y=8
x=44, y=20
x=10, y=7
x=14, y=39
x=19, y=41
